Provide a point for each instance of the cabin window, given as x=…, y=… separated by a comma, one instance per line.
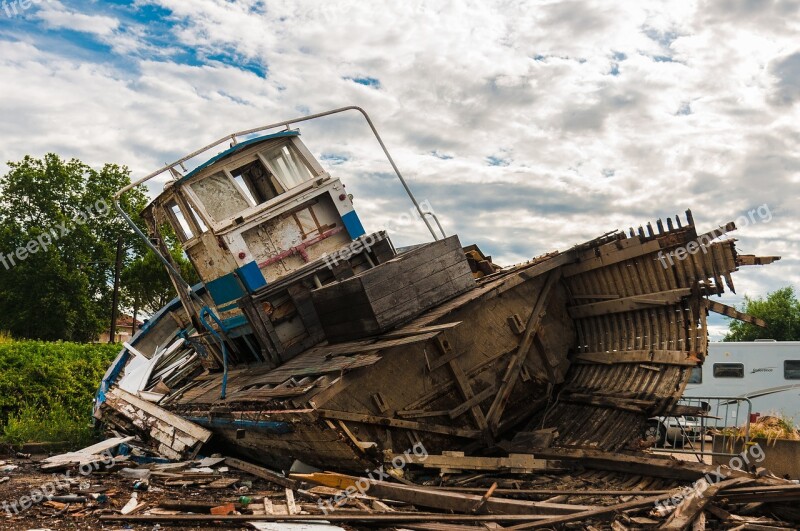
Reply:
x=220, y=196
x=288, y=166
x=728, y=370
x=179, y=222
x=791, y=369
x=258, y=185
x=198, y=220
x=696, y=377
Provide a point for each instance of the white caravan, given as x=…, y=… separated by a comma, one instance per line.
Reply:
x=766, y=372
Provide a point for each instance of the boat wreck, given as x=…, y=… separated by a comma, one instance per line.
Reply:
x=310, y=339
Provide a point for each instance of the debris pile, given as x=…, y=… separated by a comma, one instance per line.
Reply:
x=118, y=482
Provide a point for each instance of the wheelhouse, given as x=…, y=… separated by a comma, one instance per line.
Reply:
x=255, y=213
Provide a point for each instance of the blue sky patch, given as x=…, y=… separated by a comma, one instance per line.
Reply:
x=497, y=161
x=366, y=81
x=334, y=159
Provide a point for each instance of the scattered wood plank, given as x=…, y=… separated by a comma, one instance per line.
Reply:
x=438, y=499
x=261, y=472
x=396, y=517
x=221, y=483
x=514, y=463
x=685, y=513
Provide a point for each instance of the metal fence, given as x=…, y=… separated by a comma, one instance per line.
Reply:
x=717, y=424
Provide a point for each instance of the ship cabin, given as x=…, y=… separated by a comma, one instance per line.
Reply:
x=263, y=223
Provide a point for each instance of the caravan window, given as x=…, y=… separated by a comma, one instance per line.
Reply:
x=728, y=370
x=697, y=375
x=791, y=369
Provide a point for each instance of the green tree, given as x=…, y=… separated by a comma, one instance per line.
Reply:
x=781, y=311
x=58, y=234
x=146, y=286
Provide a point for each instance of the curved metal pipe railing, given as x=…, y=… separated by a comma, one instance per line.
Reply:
x=232, y=137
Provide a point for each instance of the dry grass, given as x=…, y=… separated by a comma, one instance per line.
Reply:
x=768, y=427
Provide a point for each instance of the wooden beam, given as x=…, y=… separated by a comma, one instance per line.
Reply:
x=405, y=332
x=514, y=463
x=398, y=423
x=461, y=381
x=634, y=406
x=730, y=311
x=190, y=428
x=666, y=357
x=627, y=304
x=751, y=259
x=642, y=465
x=396, y=518
x=437, y=499
x=685, y=513
x=612, y=254
x=593, y=513
x=526, y=342
x=261, y=472
x=472, y=402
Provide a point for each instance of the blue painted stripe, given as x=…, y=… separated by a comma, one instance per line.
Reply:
x=224, y=289
x=251, y=276
x=353, y=225
x=234, y=322
x=268, y=426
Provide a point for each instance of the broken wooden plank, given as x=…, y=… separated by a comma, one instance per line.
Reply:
x=525, y=344
x=733, y=313
x=593, y=513
x=398, y=423
x=627, y=304
x=221, y=483
x=640, y=464
x=438, y=499
x=472, y=402
x=261, y=472
x=751, y=259
x=703, y=492
x=514, y=463
x=405, y=332
x=666, y=357
x=190, y=428
x=396, y=517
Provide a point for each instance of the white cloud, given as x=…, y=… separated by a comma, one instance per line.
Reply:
x=702, y=112
x=56, y=16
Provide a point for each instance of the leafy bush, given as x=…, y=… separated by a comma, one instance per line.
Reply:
x=46, y=389
x=57, y=424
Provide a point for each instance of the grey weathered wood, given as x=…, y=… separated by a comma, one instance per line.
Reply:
x=683, y=515
x=525, y=344
x=380, y=298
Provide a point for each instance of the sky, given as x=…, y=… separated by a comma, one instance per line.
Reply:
x=528, y=126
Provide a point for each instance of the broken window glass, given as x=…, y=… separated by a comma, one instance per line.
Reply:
x=256, y=182
x=181, y=225
x=220, y=196
x=288, y=166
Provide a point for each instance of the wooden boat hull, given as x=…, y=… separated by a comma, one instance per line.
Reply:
x=588, y=343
